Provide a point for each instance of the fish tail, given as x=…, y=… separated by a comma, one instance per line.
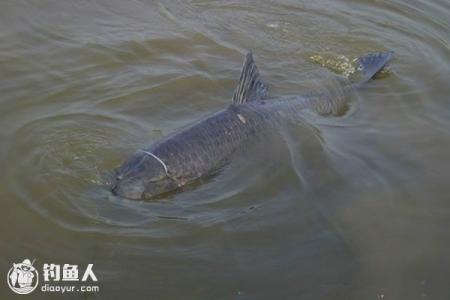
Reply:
x=371, y=64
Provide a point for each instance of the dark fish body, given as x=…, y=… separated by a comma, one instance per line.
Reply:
x=208, y=145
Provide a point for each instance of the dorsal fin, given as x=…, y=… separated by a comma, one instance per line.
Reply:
x=250, y=86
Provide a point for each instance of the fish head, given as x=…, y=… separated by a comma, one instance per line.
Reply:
x=141, y=177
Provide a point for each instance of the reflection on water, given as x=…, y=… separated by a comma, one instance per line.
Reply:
x=344, y=207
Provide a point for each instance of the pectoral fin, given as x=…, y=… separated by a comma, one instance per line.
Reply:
x=250, y=87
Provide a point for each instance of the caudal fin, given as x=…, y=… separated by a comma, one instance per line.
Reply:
x=369, y=65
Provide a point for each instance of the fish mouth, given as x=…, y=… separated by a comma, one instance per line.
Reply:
x=130, y=196
x=131, y=193
x=119, y=186
x=115, y=190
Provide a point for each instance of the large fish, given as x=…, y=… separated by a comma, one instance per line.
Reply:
x=208, y=145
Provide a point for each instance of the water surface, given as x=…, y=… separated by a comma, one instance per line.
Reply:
x=349, y=207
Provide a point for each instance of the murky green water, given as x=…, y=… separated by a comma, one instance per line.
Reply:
x=357, y=209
